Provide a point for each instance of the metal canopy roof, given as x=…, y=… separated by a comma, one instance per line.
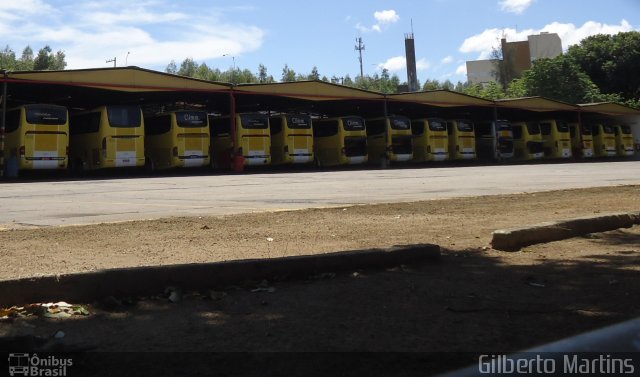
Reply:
x=126, y=79
x=609, y=108
x=539, y=104
x=309, y=90
x=441, y=98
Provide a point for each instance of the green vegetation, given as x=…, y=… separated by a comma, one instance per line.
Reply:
x=45, y=60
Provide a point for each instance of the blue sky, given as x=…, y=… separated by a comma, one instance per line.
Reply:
x=150, y=33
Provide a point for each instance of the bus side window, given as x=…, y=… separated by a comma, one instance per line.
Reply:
x=325, y=128
x=517, y=132
x=417, y=128
x=13, y=121
x=158, y=125
x=276, y=125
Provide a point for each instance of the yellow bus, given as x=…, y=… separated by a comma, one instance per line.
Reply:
x=389, y=138
x=556, y=137
x=604, y=140
x=527, y=141
x=494, y=140
x=177, y=139
x=37, y=137
x=462, y=139
x=581, y=140
x=430, y=139
x=340, y=141
x=253, y=139
x=106, y=137
x=291, y=139
x=624, y=141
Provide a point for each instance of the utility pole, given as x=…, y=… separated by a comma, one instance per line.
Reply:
x=114, y=60
x=360, y=48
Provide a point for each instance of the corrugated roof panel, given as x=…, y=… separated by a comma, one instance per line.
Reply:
x=540, y=104
x=441, y=98
x=129, y=79
x=309, y=90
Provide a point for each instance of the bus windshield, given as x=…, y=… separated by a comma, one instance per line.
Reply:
x=353, y=124
x=191, y=119
x=124, y=116
x=626, y=130
x=607, y=129
x=400, y=123
x=464, y=126
x=299, y=122
x=46, y=115
x=254, y=121
x=437, y=125
x=586, y=129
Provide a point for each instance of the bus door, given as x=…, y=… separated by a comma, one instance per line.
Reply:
x=192, y=138
x=254, y=139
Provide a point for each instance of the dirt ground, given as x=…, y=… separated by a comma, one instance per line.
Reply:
x=475, y=300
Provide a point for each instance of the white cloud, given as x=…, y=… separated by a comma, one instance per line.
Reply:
x=92, y=32
x=394, y=64
x=384, y=18
x=462, y=69
x=399, y=63
x=447, y=60
x=515, y=6
x=570, y=34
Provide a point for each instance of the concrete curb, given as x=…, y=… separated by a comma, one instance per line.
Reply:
x=514, y=239
x=141, y=281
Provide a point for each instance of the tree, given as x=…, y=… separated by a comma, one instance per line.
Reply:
x=504, y=71
x=288, y=74
x=43, y=60
x=59, y=62
x=431, y=85
x=262, y=74
x=314, y=75
x=25, y=63
x=611, y=62
x=171, y=67
x=7, y=58
x=560, y=79
x=188, y=67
